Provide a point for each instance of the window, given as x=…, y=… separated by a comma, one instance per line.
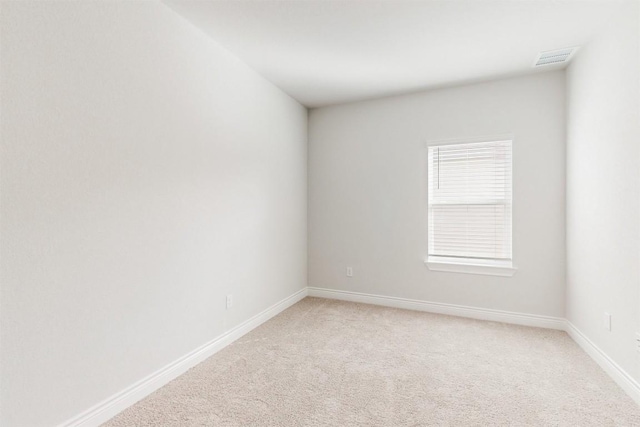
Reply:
x=470, y=207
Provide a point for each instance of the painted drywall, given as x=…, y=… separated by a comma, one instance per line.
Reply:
x=368, y=192
x=146, y=173
x=603, y=187
x=330, y=52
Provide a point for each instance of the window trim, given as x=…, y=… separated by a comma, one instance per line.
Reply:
x=504, y=268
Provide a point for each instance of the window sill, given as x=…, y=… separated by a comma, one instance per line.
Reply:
x=469, y=266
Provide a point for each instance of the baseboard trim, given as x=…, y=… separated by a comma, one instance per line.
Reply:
x=110, y=407
x=619, y=375
x=105, y=410
x=443, y=308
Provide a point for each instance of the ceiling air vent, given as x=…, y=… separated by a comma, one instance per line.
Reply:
x=552, y=57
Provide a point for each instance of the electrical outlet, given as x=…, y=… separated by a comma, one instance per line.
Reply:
x=229, y=301
x=349, y=271
x=606, y=321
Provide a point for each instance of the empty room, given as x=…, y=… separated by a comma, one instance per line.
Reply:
x=319, y=213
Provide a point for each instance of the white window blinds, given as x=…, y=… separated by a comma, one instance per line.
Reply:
x=470, y=200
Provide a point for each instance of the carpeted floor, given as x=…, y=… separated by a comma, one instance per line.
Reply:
x=332, y=363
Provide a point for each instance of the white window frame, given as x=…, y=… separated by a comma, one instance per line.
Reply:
x=505, y=268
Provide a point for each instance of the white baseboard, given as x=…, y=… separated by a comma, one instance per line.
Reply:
x=110, y=407
x=442, y=308
x=619, y=375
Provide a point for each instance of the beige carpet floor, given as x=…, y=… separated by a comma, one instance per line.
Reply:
x=332, y=363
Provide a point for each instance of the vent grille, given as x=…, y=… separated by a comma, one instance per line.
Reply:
x=552, y=57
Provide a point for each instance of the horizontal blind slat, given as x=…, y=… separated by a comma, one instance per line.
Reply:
x=470, y=200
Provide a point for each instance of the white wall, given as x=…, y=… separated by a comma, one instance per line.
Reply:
x=145, y=174
x=603, y=187
x=368, y=192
